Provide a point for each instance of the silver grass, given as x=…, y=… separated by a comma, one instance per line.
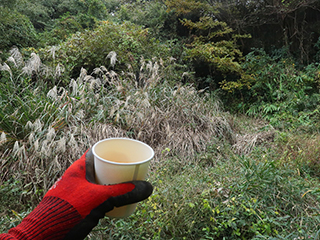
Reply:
x=46, y=70
x=63, y=91
x=45, y=148
x=104, y=69
x=83, y=74
x=127, y=101
x=119, y=88
x=95, y=83
x=53, y=50
x=3, y=138
x=36, y=145
x=53, y=93
x=37, y=125
x=17, y=56
x=29, y=125
x=149, y=66
x=172, y=59
x=23, y=154
x=59, y=70
x=72, y=142
x=51, y=134
x=161, y=62
x=5, y=67
x=11, y=59
x=142, y=63
x=16, y=148
x=74, y=85
x=97, y=71
x=88, y=78
x=56, y=162
x=31, y=137
x=156, y=68
x=61, y=145
x=32, y=65
x=113, y=74
x=113, y=58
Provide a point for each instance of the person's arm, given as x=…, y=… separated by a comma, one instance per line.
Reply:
x=74, y=204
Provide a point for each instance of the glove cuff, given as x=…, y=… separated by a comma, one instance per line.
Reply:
x=51, y=219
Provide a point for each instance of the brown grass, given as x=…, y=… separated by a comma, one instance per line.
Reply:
x=176, y=119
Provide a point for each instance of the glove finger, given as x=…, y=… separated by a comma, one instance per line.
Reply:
x=90, y=173
x=141, y=191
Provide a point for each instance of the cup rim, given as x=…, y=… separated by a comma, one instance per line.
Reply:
x=117, y=163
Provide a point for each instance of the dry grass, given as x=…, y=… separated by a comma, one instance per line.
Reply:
x=303, y=150
x=250, y=133
x=174, y=120
x=247, y=142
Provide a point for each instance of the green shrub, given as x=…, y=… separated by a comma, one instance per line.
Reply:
x=281, y=93
x=15, y=30
x=91, y=48
x=62, y=28
x=151, y=15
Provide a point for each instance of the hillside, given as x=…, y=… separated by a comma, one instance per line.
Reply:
x=233, y=117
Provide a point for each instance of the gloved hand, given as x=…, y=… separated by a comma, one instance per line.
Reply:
x=74, y=204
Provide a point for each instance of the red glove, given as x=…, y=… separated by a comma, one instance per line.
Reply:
x=74, y=204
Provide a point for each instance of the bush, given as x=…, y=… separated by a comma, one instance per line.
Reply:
x=62, y=28
x=281, y=92
x=91, y=48
x=15, y=30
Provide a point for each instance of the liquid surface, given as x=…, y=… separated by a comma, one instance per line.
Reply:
x=116, y=157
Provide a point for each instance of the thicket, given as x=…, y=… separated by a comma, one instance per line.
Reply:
x=169, y=73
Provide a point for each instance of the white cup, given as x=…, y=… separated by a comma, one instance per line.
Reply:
x=118, y=160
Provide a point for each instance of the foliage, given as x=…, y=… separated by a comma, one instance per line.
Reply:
x=275, y=24
x=10, y=191
x=38, y=122
x=41, y=13
x=303, y=150
x=206, y=200
x=278, y=90
x=15, y=29
x=281, y=93
x=216, y=175
x=149, y=14
x=91, y=48
x=63, y=27
x=213, y=44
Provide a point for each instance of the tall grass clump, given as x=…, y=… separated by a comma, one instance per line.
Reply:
x=43, y=130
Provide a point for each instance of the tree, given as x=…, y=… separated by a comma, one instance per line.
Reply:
x=212, y=44
x=293, y=24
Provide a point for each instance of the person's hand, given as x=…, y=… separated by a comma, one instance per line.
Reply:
x=74, y=204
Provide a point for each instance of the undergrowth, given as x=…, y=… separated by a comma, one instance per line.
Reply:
x=45, y=130
x=216, y=176
x=236, y=197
